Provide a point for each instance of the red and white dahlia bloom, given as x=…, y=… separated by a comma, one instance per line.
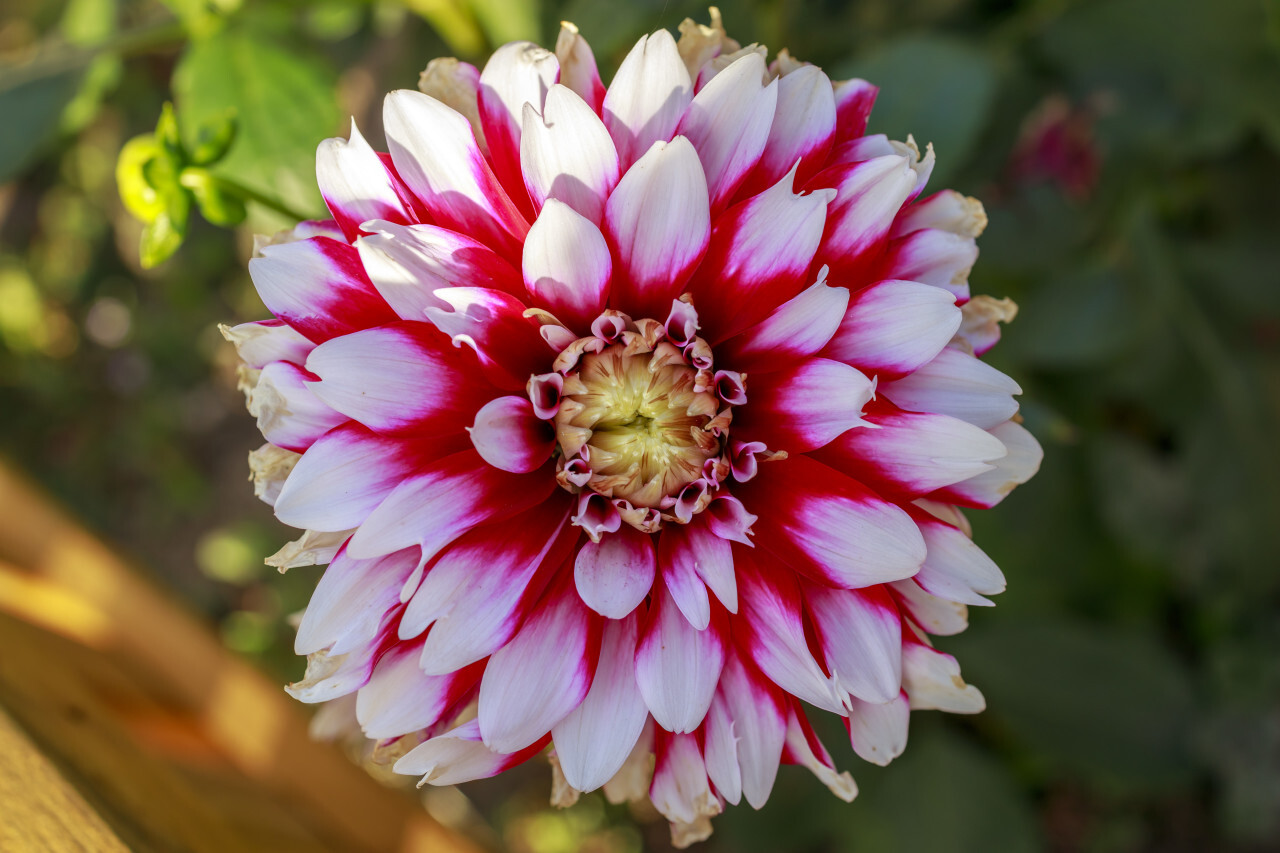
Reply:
x=630, y=419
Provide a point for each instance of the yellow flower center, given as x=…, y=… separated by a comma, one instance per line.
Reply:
x=642, y=421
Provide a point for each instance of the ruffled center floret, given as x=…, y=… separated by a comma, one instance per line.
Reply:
x=641, y=420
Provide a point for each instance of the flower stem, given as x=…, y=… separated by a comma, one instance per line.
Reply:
x=237, y=188
x=63, y=58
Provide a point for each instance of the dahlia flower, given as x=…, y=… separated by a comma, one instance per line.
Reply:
x=633, y=422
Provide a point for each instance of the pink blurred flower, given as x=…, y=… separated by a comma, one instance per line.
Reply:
x=630, y=419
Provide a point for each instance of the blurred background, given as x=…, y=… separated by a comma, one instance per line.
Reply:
x=1126, y=152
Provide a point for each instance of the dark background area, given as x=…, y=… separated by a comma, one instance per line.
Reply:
x=1126, y=151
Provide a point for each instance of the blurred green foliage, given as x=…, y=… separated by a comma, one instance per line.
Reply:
x=1127, y=153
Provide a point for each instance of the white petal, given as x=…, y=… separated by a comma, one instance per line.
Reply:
x=957, y=384
x=594, y=740
x=567, y=154
x=728, y=123
x=878, y=733
x=567, y=265
x=648, y=96
x=436, y=155
x=356, y=184
x=534, y=681
x=350, y=602
x=860, y=632
x=932, y=681
x=408, y=264
x=677, y=666
x=1020, y=464
x=659, y=222
x=615, y=574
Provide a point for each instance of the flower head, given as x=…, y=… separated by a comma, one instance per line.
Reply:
x=629, y=419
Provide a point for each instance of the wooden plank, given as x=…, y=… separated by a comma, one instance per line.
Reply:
x=42, y=812
x=205, y=703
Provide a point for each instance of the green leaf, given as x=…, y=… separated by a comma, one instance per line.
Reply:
x=944, y=795
x=213, y=139
x=1081, y=317
x=973, y=805
x=139, y=196
x=508, y=20
x=218, y=205
x=939, y=90
x=284, y=103
x=1109, y=704
x=32, y=110
x=167, y=134
x=164, y=235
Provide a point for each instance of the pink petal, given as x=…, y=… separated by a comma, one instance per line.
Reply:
x=404, y=377
x=510, y=437
x=1021, y=462
x=649, y=95
x=878, y=732
x=860, y=632
x=957, y=384
x=357, y=186
x=908, y=455
x=728, y=123
x=757, y=713
x=534, y=681
x=343, y=477
x=830, y=527
x=459, y=756
x=478, y=591
x=567, y=265
x=772, y=632
x=658, y=222
x=799, y=328
x=615, y=574
x=567, y=154
x=289, y=414
x=431, y=508
x=677, y=666
x=518, y=73
x=351, y=600
x=934, y=257
x=869, y=195
x=680, y=790
x=803, y=407
x=693, y=548
x=594, y=740
x=318, y=287
x=436, y=155
x=408, y=264
x=400, y=698
x=803, y=747
x=802, y=130
x=854, y=100
x=679, y=574
x=759, y=254
x=894, y=327
x=493, y=324
x=578, y=66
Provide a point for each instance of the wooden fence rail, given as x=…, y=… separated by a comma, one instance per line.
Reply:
x=125, y=725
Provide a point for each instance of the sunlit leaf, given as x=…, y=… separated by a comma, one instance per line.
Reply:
x=285, y=104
